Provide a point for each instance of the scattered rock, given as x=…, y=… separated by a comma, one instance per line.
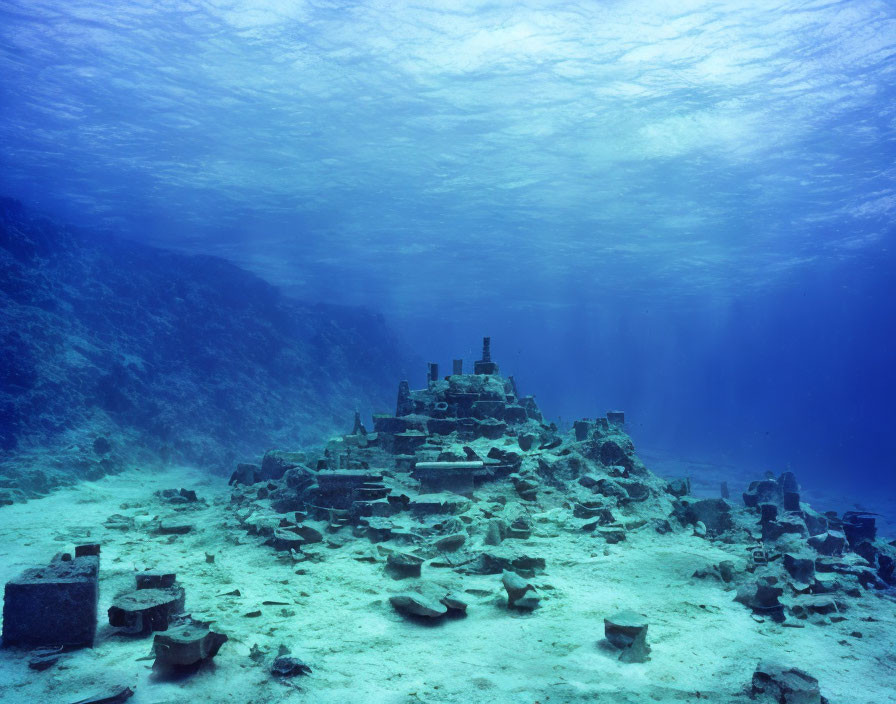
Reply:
x=288, y=666
x=44, y=658
x=146, y=609
x=518, y=589
x=495, y=532
x=417, y=605
x=801, y=570
x=454, y=603
x=777, y=684
x=172, y=527
x=401, y=565
x=627, y=632
x=186, y=647
x=762, y=597
x=177, y=496
x=116, y=696
x=451, y=543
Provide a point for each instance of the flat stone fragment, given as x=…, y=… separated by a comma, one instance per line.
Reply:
x=186, y=646
x=627, y=632
x=403, y=564
x=451, y=543
x=777, y=684
x=417, y=605
x=431, y=504
x=146, y=610
x=114, y=697
x=454, y=603
x=174, y=528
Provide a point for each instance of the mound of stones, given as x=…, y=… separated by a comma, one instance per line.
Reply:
x=461, y=476
x=451, y=480
x=801, y=567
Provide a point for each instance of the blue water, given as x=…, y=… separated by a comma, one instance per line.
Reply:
x=685, y=210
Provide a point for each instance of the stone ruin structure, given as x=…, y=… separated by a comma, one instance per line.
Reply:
x=448, y=484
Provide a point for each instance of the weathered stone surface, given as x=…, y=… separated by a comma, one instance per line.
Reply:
x=518, y=589
x=859, y=527
x=53, y=605
x=146, y=610
x=186, y=646
x=778, y=684
x=401, y=565
x=112, y=696
x=454, y=603
x=679, y=487
x=275, y=463
x=417, y=605
x=496, y=531
x=174, y=527
x=762, y=597
x=627, y=632
x=432, y=504
x=801, y=569
x=288, y=666
x=526, y=441
x=451, y=543
x=502, y=559
x=715, y=514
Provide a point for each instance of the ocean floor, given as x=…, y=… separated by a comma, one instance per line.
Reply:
x=335, y=615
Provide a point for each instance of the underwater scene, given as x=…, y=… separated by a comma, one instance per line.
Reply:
x=490, y=351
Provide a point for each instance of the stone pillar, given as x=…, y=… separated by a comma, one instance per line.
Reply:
x=485, y=365
x=405, y=405
x=458, y=366
x=433, y=371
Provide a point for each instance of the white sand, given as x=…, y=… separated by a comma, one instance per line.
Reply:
x=362, y=651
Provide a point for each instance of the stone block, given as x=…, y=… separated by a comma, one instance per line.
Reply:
x=626, y=631
x=53, y=605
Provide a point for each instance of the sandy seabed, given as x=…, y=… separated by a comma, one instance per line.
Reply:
x=337, y=617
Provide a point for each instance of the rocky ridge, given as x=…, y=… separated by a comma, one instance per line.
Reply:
x=114, y=353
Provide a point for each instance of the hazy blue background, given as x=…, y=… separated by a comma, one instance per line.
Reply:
x=683, y=209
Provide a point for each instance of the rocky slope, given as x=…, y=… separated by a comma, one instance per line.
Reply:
x=113, y=351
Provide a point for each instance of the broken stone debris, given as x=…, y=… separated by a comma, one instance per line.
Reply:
x=778, y=684
x=401, y=565
x=115, y=696
x=518, y=592
x=45, y=658
x=152, y=606
x=186, y=647
x=288, y=666
x=417, y=605
x=626, y=631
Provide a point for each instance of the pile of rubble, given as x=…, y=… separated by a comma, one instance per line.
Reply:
x=452, y=479
x=455, y=483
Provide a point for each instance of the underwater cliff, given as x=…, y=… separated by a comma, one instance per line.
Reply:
x=112, y=350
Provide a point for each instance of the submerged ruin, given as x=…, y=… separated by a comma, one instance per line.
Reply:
x=456, y=485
